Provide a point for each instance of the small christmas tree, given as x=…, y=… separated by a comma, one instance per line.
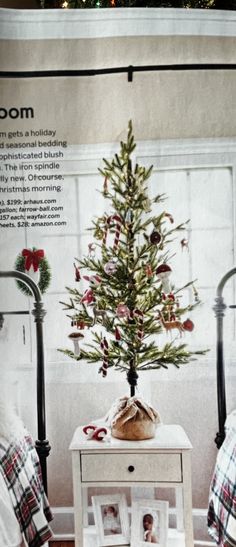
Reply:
x=130, y=298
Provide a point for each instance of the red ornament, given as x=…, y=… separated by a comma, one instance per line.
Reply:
x=80, y=325
x=88, y=297
x=32, y=258
x=99, y=434
x=155, y=238
x=148, y=271
x=122, y=311
x=188, y=325
x=117, y=334
x=163, y=270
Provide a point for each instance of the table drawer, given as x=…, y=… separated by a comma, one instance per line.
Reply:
x=131, y=467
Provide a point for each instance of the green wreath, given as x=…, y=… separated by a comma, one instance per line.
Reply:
x=44, y=270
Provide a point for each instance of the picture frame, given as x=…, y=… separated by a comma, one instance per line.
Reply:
x=111, y=519
x=154, y=528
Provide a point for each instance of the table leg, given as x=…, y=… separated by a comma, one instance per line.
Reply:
x=187, y=499
x=85, y=506
x=179, y=508
x=78, y=500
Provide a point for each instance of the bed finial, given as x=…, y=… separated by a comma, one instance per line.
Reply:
x=1, y=321
x=42, y=444
x=219, y=309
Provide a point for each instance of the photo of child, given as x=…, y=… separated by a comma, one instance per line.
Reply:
x=110, y=519
x=149, y=523
x=150, y=528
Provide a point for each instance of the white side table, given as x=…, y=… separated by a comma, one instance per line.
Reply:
x=162, y=462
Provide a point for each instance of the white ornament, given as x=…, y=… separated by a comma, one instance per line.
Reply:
x=110, y=267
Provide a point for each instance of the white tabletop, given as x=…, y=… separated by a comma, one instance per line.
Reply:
x=167, y=437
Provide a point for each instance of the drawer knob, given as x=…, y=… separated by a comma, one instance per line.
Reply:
x=131, y=468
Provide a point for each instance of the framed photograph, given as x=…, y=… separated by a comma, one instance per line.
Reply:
x=111, y=519
x=149, y=523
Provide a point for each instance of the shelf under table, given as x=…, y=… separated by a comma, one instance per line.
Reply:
x=175, y=538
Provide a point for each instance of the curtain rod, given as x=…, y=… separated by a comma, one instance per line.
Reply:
x=116, y=70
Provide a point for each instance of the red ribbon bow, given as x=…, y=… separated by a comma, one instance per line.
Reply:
x=32, y=258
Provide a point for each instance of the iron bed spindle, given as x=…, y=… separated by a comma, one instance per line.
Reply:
x=42, y=444
x=219, y=309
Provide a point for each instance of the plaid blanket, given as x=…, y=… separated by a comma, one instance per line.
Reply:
x=222, y=501
x=19, y=465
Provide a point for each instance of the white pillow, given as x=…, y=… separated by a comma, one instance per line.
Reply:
x=231, y=421
x=11, y=425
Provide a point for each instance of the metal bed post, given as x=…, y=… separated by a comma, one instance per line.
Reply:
x=219, y=309
x=42, y=445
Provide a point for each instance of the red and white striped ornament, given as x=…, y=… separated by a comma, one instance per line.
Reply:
x=139, y=315
x=118, y=221
x=148, y=271
x=95, y=433
x=104, y=347
x=105, y=185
